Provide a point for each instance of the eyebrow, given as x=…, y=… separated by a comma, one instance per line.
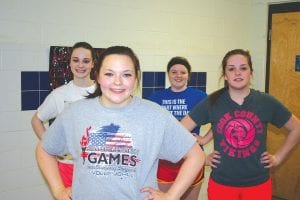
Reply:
x=238, y=66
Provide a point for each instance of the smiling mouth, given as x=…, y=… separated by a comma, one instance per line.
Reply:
x=117, y=90
x=80, y=70
x=238, y=79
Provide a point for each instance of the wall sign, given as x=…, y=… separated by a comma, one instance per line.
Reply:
x=59, y=70
x=297, y=64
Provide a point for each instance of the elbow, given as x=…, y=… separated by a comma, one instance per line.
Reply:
x=197, y=154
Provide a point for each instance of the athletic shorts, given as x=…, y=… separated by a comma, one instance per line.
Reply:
x=66, y=173
x=167, y=172
x=218, y=191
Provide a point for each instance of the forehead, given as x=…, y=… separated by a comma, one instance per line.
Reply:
x=79, y=52
x=237, y=59
x=178, y=67
x=117, y=61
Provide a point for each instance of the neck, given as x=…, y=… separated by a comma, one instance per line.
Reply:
x=239, y=95
x=83, y=82
x=174, y=89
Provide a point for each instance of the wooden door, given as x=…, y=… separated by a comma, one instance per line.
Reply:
x=284, y=84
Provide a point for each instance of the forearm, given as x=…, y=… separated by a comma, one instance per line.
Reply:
x=189, y=170
x=38, y=126
x=207, y=137
x=49, y=168
x=188, y=123
x=292, y=139
x=290, y=142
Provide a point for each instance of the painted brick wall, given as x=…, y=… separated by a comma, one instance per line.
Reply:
x=201, y=30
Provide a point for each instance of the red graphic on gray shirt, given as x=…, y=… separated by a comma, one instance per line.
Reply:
x=240, y=129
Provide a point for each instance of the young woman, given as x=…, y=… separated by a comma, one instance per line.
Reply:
x=82, y=60
x=179, y=99
x=239, y=117
x=117, y=138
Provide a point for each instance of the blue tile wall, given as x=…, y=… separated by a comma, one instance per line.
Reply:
x=198, y=80
x=151, y=82
x=34, y=89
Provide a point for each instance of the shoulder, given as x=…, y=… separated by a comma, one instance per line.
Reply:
x=148, y=106
x=81, y=106
x=262, y=95
x=158, y=94
x=197, y=92
x=63, y=89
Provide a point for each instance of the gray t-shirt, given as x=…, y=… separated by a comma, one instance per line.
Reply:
x=240, y=135
x=116, y=151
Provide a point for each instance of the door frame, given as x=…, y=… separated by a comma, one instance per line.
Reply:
x=276, y=8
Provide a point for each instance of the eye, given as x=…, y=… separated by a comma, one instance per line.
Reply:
x=109, y=74
x=245, y=67
x=86, y=61
x=75, y=60
x=183, y=73
x=230, y=69
x=127, y=75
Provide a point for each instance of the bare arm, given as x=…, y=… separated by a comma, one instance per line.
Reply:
x=292, y=139
x=49, y=168
x=206, y=138
x=193, y=162
x=37, y=126
x=188, y=123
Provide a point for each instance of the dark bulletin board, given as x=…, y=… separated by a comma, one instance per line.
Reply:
x=59, y=70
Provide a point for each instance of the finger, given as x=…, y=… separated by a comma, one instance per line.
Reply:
x=264, y=154
x=194, y=134
x=216, y=152
x=145, y=189
x=215, y=156
x=216, y=161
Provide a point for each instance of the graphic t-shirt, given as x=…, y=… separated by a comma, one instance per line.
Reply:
x=116, y=151
x=178, y=104
x=240, y=133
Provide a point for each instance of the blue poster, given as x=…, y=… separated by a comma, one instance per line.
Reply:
x=297, y=65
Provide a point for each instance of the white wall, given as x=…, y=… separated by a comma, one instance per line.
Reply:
x=201, y=30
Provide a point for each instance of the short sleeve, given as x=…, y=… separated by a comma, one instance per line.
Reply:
x=280, y=114
x=177, y=141
x=200, y=113
x=54, y=140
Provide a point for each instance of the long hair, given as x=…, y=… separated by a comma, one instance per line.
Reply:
x=120, y=50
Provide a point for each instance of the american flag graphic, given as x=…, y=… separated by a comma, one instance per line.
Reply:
x=109, y=137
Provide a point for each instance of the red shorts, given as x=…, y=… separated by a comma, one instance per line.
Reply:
x=218, y=191
x=167, y=172
x=66, y=173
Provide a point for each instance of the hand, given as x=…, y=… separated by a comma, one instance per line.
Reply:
x=63, y=193
x=269, y=160
x=213, y=159
x=198, y=138
x=154, y=194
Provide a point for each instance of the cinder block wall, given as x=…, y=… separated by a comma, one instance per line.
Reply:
x=201, y=30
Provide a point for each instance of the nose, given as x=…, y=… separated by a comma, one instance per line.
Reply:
x=81, y=64
x=237, y=71
x=117, y=80
x=178, y=74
